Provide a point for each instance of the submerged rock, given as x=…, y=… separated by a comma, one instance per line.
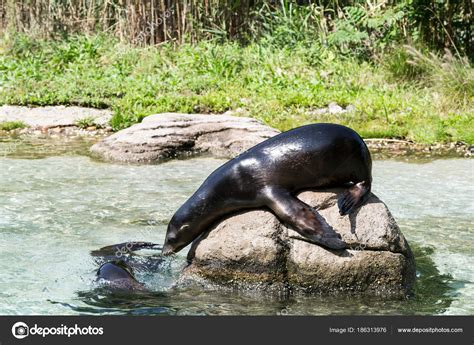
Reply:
x=163, y=136
x=253, y=249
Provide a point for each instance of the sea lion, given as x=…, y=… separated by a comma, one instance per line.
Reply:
x=117, y=264
x=270, y=174
x=118, y=276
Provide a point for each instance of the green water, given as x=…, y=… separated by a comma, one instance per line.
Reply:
x=56, y=205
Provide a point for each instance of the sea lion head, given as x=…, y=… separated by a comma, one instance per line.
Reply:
x=118, y=276
x=178, y=236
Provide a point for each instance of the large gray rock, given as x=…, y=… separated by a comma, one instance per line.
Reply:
x=169, y=135
x=255, y=249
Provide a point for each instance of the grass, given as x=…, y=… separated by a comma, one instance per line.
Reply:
x=405, y=94
x=11, y=125
x=85, y=122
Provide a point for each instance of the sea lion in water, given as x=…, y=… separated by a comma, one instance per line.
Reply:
x=270, y=174
x=118, y=276
x=116, y=265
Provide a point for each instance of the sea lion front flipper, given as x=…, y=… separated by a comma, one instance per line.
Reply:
x=353, y=197
x=123, y=248
x=304, y=219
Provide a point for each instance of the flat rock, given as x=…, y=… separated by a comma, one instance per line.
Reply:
x=170, y=135
x=253, y=249
x=54, y=116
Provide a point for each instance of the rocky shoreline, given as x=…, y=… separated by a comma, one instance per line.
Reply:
x=394, y=148
x=61, y=121
x=56, y=121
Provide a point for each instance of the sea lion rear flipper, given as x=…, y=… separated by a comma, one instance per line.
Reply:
x=353, y=198
x=305, y=220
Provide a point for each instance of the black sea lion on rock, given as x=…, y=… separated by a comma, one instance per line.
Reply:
x=271, y=173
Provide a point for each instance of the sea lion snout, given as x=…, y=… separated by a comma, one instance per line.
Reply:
x=179, y=234
x=167, y=250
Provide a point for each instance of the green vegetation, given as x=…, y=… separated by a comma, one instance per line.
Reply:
x=11, y=125
x=85, y=122
x=353, y=25
x=280, y=63
x=405, y=94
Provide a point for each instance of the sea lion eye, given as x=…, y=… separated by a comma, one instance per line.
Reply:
x=184, y=227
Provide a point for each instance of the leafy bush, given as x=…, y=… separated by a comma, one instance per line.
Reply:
x=365, y=31
x=85, y=122
x=11, y=125
x=285, y=23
